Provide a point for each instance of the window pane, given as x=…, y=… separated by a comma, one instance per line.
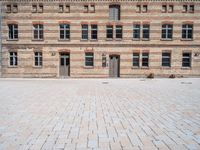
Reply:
x=136, y=59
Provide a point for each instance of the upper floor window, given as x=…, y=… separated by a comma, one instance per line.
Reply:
x=13, y=59
x=167, y=31
x=86, y=8
x=141, y=8
x=89, y=59
x=119, y=33
x=94, y=32
x=38, y=59
x=167, y=8
x=109, y=32
x=85, y=32
x=166, y=59
x=12, y=8
x=187, y=31
x=63, y=9
x=145, y=31
x=64, y=31
x=114, y=12
x=186, y=60
x=13, y=31
x=38, y=31
x=188, y=8
x=136, y=31
x=37, y=8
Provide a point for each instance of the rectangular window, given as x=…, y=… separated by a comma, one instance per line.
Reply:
x=138, y=8
x=8, y=8
x=114, y=12
x=15, y=8
x=40, y=10
x=38, y=59
x=13, y=31
x=92, y=8
x=109, y=32
x=85, y=32
x=89, y=59
x=34, y=8
x=119, y=33
x=136, y=59
x=38, y=31
x=166, y=59
x=86, y=9
x=171, y=9
x=61, y=8
x=186, y=60
x=103, y=60
x=136, y=31
x=167, y=31
x=67, y=8
x=13, y=58
x=145, y=32
x=144, y=8
x=191, y=8
x=64, y=31
x=94, y=32
x=185, y=8
x=145, y=59
x=164, y=8
x=187, y=31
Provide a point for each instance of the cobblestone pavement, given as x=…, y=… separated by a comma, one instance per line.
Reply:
x=100, y=114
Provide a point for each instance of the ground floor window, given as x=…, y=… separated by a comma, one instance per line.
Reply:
x=13, y=59
x=38, y=59
x=186, y=60
x=89, y=59
x=136, y=59
x=145, y=59
x=166, y=59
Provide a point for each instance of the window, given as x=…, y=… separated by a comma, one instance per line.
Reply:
x=187, y=31
x=13, y=31
x=34, y=8
x=15, y=8
x=38, y=31
x=94, y=32
x=103, y=60
x=186, y=60
x=114, y=12
x=191, y=8
x=185, y=8
x=86, y=9
x=141, y=8
x=136, y=31
x=145, y=59
x=61, y=8
x=119, y=32
x=13, y=58
x=64, y=31
x=8, y=8
x=40, y=9
x=144, y=8
x=109, y=32
x=166, y=59
x=136, y=59
x=89, y=59
x=85, y=32
x=67, y=8
x=138, y=8
x=92, y=8
x=170, y=8
x=145, y=32
x=38, y=59
x=164, y=8
x=167, y=31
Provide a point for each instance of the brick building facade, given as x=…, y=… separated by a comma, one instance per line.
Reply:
x=100, y=38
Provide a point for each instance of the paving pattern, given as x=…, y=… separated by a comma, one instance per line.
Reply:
x=100, y=114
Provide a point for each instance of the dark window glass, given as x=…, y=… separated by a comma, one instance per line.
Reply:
x=15, y=8
x=119, y=32
x=146, y=31
x=145, y=59
x=38, y=58
x=8, y=7
x=103, y=60
x=64, y=31
x=94, y=32
x=13, y=31
x=166, y=59
x=167, y=31
x=191, y=8
x=187, y=31
x=136, y=59
x=109, y=32
x=85, y=32
x=186, y=60
x=38, y=31
x=136, y=31
x=89, y=59
x=13, y=59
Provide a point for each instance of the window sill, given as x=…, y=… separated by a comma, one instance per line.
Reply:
x=85, y=40
x=63, y=40
x=135, y=39
x=38, y=67
x=186, y=39
x=166, y=39
x=38, y=40
x=109, y=39
x=93, y=40
x=134, y=67
x=144, y=39
x=88, y=67
x=165, y=67
x=118, y=39
x=143, y=67
x=12, y=40
x=12, y=66
x=186, y=68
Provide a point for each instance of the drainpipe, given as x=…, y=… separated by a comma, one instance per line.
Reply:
x=1, y=19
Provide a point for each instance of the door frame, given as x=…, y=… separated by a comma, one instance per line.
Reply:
x=67, y=53
x=118, y=62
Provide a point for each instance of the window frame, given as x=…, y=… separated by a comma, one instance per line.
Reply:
x=136, y=59
x=136, y=31
x=84, y=32
x=94, y=32
x=145, y=59
x=166, y=59
x=187, y=29
x=13, y=59
x=38, y=59
x=165, y=33
x=189, y=58
x=65, y=30
x=119, y=32
x=109, y=28
x=89, y=58
x=39, y=31
x=114, y=12
x=145, y=27
x=13, y=33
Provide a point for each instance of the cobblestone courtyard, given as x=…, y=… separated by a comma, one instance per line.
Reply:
x=99, y=114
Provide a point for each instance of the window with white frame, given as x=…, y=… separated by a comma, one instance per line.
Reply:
x=136, y=59
x=145, y=31
x=136, y=31
x=186, y=60
x=166, y=59
x=89, y=59
x=109, y=32
x=38, y=59
x=64, y=31
x=187, y=31
x=84, y=31
x=13, y=59
x=145, y=59
x=119, y=33
x=167, y=31
x=114, y=12
x=13, y=31
x=38, y=31
x=94, y=32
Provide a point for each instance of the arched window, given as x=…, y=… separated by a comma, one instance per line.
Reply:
x=114, y=12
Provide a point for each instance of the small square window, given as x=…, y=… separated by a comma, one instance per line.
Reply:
x=86, y=9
